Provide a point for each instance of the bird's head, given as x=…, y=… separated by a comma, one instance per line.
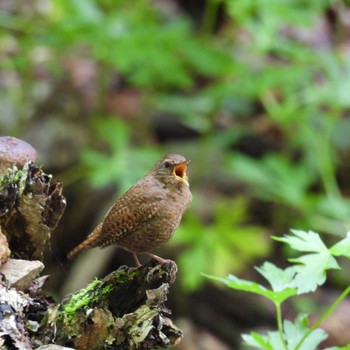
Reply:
x=172, y=167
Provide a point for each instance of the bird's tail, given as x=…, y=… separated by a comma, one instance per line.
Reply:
x=90, y=242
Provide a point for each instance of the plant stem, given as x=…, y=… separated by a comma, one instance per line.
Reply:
x=323, y=316
x=209, y=17
x=279, y=324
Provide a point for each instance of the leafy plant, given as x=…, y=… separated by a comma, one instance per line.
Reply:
x=262, y=68
x=123, y=165
x=270, y=179
x=210, y=245
x=307, y=273
x=141, y=41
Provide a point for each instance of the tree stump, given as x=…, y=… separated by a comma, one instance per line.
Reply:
x=124, y=310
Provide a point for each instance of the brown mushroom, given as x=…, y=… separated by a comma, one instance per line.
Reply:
x=15, y=151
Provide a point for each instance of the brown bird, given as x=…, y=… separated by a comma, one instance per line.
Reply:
x=148, y=214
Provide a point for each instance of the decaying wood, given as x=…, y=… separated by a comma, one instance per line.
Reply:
x=30, y=208
x=124, y=310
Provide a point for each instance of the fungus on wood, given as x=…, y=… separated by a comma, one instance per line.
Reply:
x=14, y=151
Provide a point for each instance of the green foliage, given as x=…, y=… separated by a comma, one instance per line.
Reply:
x=310, y=269
x=272, y=70
x=306, y=274
x=271, y=178
x=342, y=247
x=128, y=37
x=124, y=165
x=280, y=289
x=277, y=179
x=293, y=332
x=211, y=245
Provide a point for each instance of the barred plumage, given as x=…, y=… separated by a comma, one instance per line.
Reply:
x=147, y=215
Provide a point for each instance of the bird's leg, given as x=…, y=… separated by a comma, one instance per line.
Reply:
x=158, y=258
x=137, y=262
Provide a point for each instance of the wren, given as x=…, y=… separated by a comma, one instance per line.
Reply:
x=148, y=214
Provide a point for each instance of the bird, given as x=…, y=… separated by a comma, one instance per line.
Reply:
x=147, y=215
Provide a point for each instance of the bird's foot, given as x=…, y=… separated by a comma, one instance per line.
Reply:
x=162, y=261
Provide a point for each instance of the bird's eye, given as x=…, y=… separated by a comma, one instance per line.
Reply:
x=167, y=164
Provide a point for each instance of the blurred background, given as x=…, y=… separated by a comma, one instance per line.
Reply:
x=255, y=93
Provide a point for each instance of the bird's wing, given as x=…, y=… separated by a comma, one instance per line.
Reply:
x=128, y=214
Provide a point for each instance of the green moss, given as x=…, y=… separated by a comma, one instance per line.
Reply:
x=14, y=176
x=80, y=299
x=94, y=292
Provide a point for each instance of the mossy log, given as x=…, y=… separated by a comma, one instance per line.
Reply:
x=124, y=310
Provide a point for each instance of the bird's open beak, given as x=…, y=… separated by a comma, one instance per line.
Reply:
x=180, y=171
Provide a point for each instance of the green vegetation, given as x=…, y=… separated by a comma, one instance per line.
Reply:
x=92, y=295
x=114, y=168
x=306, y=274
x=254, y=93
x=211, y=245
x=79, y=300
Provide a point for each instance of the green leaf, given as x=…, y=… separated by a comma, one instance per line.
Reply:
x=257, y=340
x=310, y=269
x=271, y=341
x=241, y=284
x=304, y=241
x=278, y=278
x=342, y=248
x=294, y=332
x=253, y=287
x=313, y=340
x=210, y=245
